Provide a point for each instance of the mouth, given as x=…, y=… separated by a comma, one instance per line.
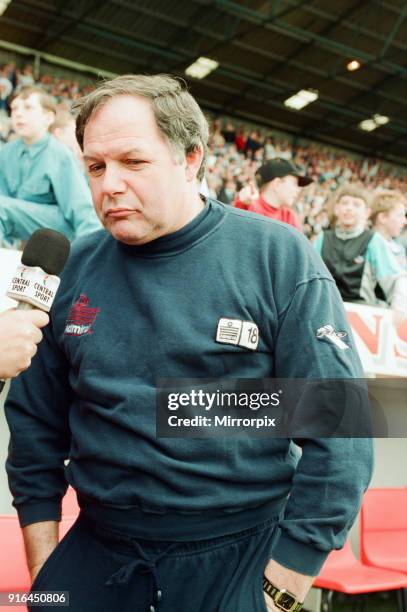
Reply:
x=119, y=213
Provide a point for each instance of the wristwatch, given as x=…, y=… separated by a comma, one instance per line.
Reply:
x=283, y=599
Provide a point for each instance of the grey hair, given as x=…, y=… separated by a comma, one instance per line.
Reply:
x=178, y=116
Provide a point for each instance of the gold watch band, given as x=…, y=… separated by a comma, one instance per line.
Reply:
x=283, y=599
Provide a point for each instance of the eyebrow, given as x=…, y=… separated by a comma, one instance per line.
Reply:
x=133, y=151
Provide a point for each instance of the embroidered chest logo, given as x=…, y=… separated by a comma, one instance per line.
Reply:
x=81, y=318
x=327, y=332
x=240, y=333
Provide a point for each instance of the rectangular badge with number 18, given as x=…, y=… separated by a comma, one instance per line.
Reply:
x=239, y=333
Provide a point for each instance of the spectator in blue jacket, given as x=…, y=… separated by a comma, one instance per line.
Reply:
x=41, y=183
x=388, y=216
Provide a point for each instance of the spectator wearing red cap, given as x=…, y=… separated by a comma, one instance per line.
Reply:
x=280, y=182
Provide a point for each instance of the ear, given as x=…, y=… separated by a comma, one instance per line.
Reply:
x=50, y=118
x=193, y=163
x=380, y=217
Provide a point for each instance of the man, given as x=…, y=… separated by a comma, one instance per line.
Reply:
x=360, y=260
x=41, y=184
x=175, y=524
x=280, y=183
x=20, y=332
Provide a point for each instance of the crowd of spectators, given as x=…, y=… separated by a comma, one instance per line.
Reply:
x=65, y=91
x=236, y=151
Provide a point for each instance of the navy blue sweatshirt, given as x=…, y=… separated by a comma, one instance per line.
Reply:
x=125, y=316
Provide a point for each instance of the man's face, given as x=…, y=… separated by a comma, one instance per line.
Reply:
x=351, y=212
x=138, y=182
x=394, y=220
x=288, y=190
x=29, y=119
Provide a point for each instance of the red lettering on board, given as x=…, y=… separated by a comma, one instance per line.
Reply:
x=401, y=332
x=371, y=339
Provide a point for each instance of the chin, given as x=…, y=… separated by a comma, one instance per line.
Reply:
x=128, y=237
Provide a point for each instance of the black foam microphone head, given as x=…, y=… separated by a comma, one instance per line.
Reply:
x=48, y=250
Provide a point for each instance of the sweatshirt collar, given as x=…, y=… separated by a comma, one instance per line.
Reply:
x=197, y=229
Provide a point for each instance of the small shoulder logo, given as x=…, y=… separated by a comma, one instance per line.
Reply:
x=359, y=259
x=81, y=318
x=240, y=333
x=327, y=332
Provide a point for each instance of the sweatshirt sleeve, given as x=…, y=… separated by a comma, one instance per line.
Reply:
x=37, y=414
x=332, y=473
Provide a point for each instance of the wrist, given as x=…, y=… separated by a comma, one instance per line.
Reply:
x=280, y=598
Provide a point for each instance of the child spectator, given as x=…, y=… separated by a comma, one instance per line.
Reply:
x=388, y=217
x=41, y=185
x=63, y=129
x=359, y=259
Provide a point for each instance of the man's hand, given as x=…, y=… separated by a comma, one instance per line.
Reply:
x=20, y=332
x=40, y=539
x=284, y=578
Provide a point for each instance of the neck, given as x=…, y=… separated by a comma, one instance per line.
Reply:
x=349, y=232
x=384, y=233
x=33, y=139
x=270, y=198
x=194, y=204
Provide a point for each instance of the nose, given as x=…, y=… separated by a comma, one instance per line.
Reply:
x=112, y=184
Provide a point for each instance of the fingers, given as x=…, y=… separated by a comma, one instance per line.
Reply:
x=20, y=334
x=31, y=322
x=38, y=317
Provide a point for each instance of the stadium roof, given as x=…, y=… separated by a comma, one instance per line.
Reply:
x=267, y=51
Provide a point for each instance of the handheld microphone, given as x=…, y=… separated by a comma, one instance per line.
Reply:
x=36, y=279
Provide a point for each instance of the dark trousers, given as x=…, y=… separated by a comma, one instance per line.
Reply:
x=107, y=572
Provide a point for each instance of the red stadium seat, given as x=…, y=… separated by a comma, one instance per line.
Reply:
x=14, y=575
x=343, y=573
x=383, y=538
